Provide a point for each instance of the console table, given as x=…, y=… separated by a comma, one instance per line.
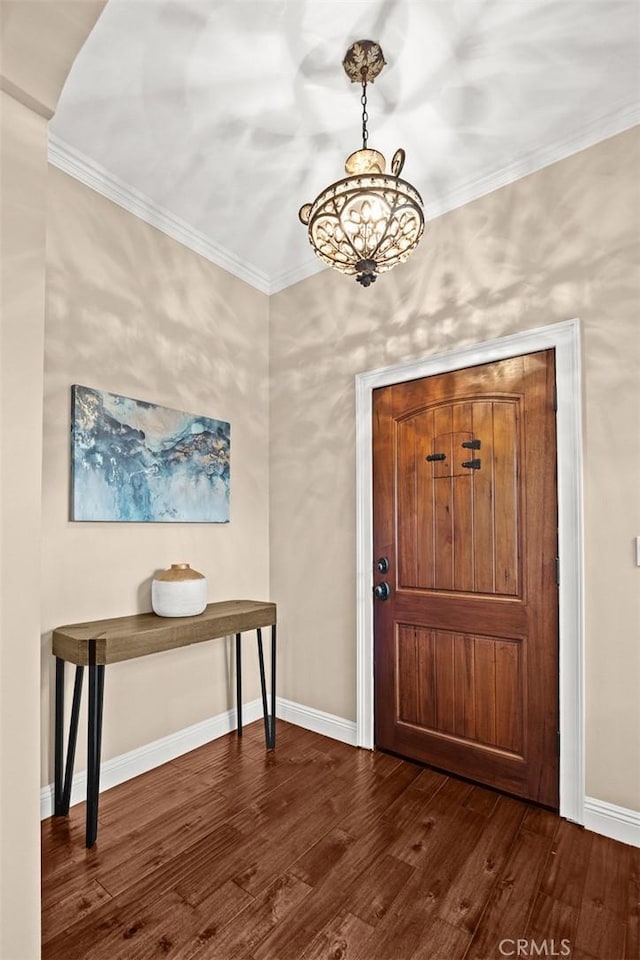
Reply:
x=101, y=642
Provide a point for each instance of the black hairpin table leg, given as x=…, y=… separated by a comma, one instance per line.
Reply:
x=73, y=738
x=269, y=720
x=59, y=708
x=239, y=681
x=272, y=743
x=94, y=740
x=62, y=785
x=263, y=688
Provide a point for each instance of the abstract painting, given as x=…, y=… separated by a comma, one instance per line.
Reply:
x=137, y=461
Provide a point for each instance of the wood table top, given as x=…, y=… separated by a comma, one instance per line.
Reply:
x=124, y=638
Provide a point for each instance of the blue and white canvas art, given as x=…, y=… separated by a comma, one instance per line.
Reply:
x=137, y=461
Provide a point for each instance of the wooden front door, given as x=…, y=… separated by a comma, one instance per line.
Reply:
x=465, y=516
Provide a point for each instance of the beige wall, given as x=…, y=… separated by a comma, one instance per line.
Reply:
x=32, y=73
x=24, y=172
x=558, y=244
x=40, y=39
x=131, y=311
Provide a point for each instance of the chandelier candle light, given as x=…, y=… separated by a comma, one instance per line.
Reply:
x=369, y=221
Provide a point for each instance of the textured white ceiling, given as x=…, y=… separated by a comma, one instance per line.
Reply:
x=217, y=119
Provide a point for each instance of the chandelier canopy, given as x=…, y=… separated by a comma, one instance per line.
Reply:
x=367, y=222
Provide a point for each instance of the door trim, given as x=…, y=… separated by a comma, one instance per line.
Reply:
x=565, y=339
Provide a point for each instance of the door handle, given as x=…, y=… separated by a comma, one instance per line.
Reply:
x=382, y=591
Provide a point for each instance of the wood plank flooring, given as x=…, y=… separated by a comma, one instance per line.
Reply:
x=323, y=852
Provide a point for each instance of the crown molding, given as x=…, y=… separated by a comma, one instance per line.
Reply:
x=98, y=178
x=302, y=272
x=621, y=118
x=81, y=167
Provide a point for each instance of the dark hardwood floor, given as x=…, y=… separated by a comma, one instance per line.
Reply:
x=324, y=851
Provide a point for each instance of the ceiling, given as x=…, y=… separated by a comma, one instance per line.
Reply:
x=216, y=119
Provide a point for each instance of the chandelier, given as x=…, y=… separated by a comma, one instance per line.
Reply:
x=369, y=221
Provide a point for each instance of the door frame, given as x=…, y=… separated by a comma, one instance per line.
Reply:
x=564, y=337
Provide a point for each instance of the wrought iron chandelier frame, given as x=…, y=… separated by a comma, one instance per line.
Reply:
x=365, y=223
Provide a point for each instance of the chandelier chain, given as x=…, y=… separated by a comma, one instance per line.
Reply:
x=365, y=115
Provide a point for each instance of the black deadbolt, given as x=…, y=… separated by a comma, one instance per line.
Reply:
x=383, y=565
x=382, y=591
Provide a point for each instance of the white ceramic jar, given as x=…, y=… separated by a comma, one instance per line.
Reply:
x=179, y=592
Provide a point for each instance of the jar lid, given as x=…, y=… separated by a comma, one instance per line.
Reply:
x=180, y=571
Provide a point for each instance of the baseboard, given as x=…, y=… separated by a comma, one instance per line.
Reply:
x=326, y=724
x=618, y=823
x=607, y=819
x=132, y=764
